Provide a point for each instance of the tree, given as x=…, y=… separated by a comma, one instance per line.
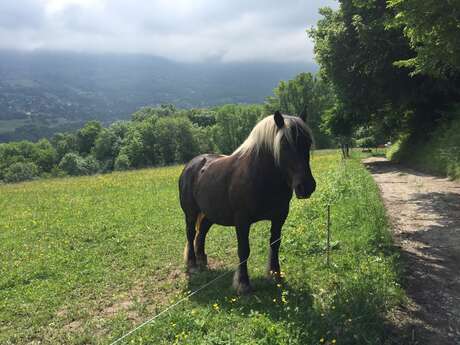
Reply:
x=46, y=155
x=21, y=171
x=304, y=94
x=433, y=30
x=122, y=162
x=106, y=145
x=234, y=122
x=338, y=123
x=87, y=136
x=167, y=138
x=64, y=143
x=73, y=164
x=133, y=147
x=187, y=145
x=357, y=50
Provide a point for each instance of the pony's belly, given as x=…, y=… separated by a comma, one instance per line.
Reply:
x=217, y=211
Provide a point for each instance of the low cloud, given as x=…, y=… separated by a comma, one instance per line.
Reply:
x=183, y=30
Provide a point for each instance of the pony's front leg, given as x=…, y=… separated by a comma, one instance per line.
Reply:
x=273, y=267
x=241, y=277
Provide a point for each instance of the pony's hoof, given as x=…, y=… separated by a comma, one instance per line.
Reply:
x=243, y=289
x=202, y=261
x=191, y=268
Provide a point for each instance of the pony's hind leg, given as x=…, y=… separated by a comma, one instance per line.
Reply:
x=189, y=251
x=202, y=227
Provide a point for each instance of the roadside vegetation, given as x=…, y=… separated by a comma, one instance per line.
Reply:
x=86, y=259
x=438, y=153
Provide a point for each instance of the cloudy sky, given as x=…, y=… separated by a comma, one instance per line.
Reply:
x=183, y=30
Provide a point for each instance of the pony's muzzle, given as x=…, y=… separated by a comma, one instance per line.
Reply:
x=304, y=190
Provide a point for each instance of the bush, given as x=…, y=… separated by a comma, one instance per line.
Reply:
x=90, y=165
x=122, y=162
x=75, y=165
x=21, y=171
x=72, y=164
x=56, y=172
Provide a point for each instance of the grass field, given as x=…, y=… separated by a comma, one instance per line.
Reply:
x=83, y=260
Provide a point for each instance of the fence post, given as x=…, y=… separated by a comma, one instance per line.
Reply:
x=328, y=248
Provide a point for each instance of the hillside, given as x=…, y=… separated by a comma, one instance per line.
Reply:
x=43, y=92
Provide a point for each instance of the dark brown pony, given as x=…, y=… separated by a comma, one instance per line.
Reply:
x=254, y=183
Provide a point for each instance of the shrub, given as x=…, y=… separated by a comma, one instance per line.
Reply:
x=73, y=164
x=21, y=171
x=90, y=165
x=122, y=162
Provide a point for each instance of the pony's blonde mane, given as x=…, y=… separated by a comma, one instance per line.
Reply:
x=266, y=135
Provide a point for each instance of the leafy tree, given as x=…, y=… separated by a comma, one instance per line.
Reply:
x=21, y=171
x=187, y=145
x=357, y=50
x=133, y=148
x=106, y=145
x=90, y=165
x=339, y=123
x=166, y=135
x=234, y=122
x=46, y=155
x=433, y=30
x=148, y=132
x=64, y=143
x=305, y=93
x=163, y=110
x=202, y=117
x=122, y=162
x=87, y=136
x=73, y=164
x=204, y=138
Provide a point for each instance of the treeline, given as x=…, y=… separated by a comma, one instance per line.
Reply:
x=158, y=136
x=394, y=66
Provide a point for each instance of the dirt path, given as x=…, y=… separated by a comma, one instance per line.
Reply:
x=425, y=215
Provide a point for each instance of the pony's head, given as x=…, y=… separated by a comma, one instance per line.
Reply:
x=289, y=140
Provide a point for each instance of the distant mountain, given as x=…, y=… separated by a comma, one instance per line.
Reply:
x=49, y=91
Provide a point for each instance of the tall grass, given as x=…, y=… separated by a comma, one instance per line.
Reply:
x=84, y=260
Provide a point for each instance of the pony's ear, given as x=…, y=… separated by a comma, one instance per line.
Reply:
x=279, y=119
x=303, y=114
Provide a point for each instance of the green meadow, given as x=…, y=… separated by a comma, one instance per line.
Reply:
x=85, y=260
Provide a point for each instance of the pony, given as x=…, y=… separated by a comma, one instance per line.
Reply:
x=254, y=183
